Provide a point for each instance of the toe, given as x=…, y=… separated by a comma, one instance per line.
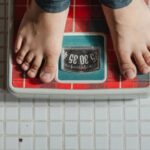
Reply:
x=21, y=55
x=28, y=59
x=126, y=65
x=49, y=69
x=146, y=56
x=18, y=43
x=141, y=64
x=35, y=67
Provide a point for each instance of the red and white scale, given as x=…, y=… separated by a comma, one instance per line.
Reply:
x=88, y=67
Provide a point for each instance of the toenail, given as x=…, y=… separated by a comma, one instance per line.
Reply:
x=46, y=76
x=25, y=67
x=130, y=74
x=145, y=69
x=31, y=74
x=19, y=61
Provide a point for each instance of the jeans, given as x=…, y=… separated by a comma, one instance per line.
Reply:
x=54, y=6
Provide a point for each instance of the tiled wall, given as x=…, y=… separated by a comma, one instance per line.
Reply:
x=69, y=125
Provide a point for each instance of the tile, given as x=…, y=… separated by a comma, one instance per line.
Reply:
x=102, y=142
x=145, y=128
x=1, y=128
x=144, y=101
x=145, y=144
x=86, y=113
x=56, y=128
x=101, y=128
x=41, y=113
x=71, y=143
x=1, y=143
x=86, y=128
x=86, y=142
x=41, y=143
x=132, y=143
x=27, y=143
x=26, y=128
x=71, y=128
x=131, y=128
x=26, y=113
x=41, y=128
x=12, y=143
x=56, y=142
x=101, y=113
x=12, y=113
x=1, y=113
x=116, y=143
x=144, y=113
x=116, y=113
x=131, y=113
x=12, y=127
x=71, y=113
x=56, y=113
x=116, y=128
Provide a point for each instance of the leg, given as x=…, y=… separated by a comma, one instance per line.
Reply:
x=129, y=27
x=40, y=37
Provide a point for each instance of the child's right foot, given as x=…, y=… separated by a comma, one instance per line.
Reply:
x=40, y=36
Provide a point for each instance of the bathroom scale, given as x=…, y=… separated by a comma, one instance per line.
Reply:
x=87, y=67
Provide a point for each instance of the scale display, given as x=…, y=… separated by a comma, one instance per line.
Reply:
x=83, y=59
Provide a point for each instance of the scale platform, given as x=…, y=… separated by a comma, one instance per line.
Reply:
x=87, y=68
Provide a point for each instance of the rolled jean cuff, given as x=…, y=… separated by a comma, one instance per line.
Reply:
x=53, y=6
x=115, y=4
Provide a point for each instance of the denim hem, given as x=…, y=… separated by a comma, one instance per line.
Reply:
x=116, y=5
x=53, y=7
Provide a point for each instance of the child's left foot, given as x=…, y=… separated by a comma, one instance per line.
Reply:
x=130, y=31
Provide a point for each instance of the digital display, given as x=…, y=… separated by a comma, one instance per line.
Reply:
x=80, y=59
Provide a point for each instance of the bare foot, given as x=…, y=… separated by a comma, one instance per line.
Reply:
x=130, y=31
x=40, y=36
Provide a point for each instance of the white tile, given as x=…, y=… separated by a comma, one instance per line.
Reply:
x=145, y=128
x=56, y=128
x=1, y=127
x=145, y=143
x=144, y=113
x=133, y=102
x=71, y=128
x=41, y=113
x=145, y=101
x=12, y=127
x=116, y=143
x=71, y=143
x=11, y=113
x=12, y=143
x=26, y=128
x=41, y=143
x=101, y=128
x=132, y=143
x=27, y=143
x=86, y=142
x=101, y=113
x=116, y=128
x=131, y=113
x=86, y=128
x=56, y=113
x=102, y=142
x=56, y=143
x=41, y=128
x=116, y=113
x=86, y=113
x=1, y=143
x=1, y=113
x=26, y=113
x=131, y=128
x=71, y=113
